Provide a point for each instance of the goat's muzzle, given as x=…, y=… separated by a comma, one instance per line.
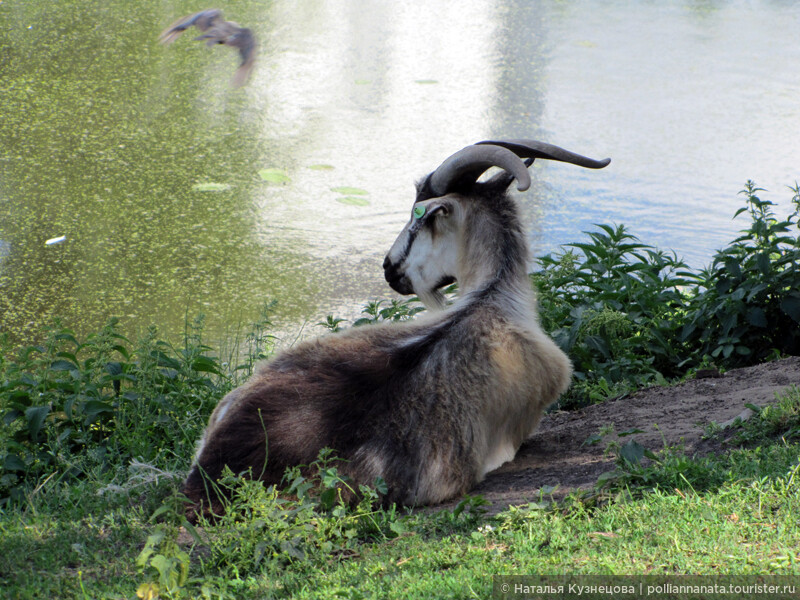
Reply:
x=396, y=279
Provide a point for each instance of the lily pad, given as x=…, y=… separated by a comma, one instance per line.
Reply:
x=321, y=167
x=211, y=187
x=353, y=201
x=273, y=175
x=350, y=191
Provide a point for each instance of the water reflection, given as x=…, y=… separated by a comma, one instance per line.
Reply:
x=148, y=161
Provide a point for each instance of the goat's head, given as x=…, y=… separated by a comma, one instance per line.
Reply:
x=426, y=255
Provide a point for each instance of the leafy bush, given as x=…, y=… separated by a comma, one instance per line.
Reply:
x=612, y=310
x=747, y=303
x=628, y=314
x=70, y=406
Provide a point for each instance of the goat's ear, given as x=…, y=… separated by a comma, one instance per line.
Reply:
x=440, y=208
x=500, y=181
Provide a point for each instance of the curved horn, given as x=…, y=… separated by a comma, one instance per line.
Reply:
x=469, y=163
x=536, y=149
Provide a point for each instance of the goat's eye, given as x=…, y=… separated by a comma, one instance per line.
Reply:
x=419, y=212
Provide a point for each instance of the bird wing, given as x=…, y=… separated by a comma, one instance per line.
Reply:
x=245, y=41
x=203, y=20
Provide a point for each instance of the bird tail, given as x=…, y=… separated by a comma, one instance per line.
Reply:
x=241, y=75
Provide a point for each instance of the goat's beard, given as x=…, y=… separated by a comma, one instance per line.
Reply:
x=433, y=300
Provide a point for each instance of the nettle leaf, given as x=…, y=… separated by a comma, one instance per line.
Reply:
x=592, y=440
x=732, y=266
x=35, y=416
x=13, y=463
x=757, y=317
x=93, y=408
x=206, y=364
x=113, y=368
x=740, y=211
x=327, y=498
x=763, y=263
x=632, y=452
x=791, y=306
x=738, y=294
x=63, y=365
x=630, y=431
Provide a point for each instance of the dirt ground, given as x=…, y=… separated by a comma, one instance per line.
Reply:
x=555, y=454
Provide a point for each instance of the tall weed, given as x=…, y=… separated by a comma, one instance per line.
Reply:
x=612, y=307
x=746, y=305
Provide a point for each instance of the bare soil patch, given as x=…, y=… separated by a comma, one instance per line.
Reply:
x=556, y=456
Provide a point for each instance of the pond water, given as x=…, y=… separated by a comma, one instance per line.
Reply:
x=148, y=162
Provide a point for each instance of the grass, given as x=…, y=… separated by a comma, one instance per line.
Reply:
x=98, y=433
x=740, y=520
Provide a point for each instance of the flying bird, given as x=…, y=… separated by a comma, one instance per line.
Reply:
x=218, y=31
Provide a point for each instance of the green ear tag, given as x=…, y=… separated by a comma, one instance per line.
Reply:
x=419, y=212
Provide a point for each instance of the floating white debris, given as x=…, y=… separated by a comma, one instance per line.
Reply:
x=56, y=240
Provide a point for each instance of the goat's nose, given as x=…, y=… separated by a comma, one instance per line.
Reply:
x=390, y=271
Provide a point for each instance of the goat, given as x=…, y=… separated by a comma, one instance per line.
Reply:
x=430, y=405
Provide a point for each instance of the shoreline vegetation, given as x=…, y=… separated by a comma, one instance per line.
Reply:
x=97, y=434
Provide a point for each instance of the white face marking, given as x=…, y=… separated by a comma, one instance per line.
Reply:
x=430, y=262
x=425, y=258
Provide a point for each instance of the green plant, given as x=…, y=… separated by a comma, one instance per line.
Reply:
x=312, y=520
x=612, y=308
x=164, y=563
x=747, y=304
x=392, y=310
x=628, y=314
x=331, y=323
x=259, y=344
x=70, y=406
x=780, y=420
